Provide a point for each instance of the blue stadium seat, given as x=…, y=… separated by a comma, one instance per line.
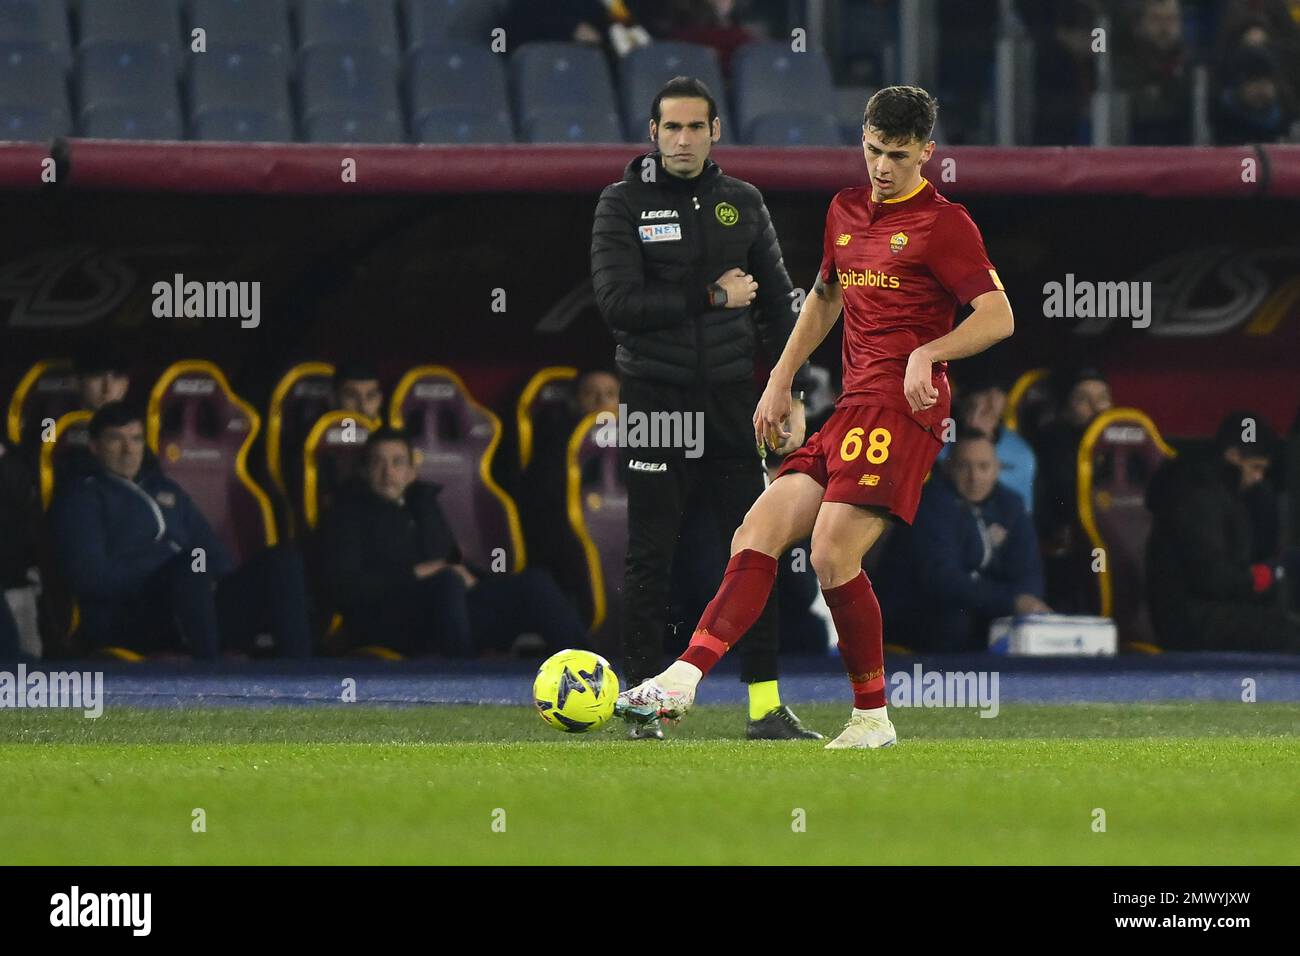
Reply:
x=127, y=91
x=548, y=78
x=435, y=22
x=463, y=126
x=350, y=24
x=33, y=96
x=240, y=94
x=792, y=128
x=458, y=89
x=769, y=78
x=572, y=126
x=643, y=71
x=349, y=92
x=35, y=26
x=153, y=23
x=244, y=23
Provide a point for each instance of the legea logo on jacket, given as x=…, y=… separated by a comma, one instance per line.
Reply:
x=659, y=214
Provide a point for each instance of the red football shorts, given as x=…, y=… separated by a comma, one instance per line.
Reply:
x=868, y=455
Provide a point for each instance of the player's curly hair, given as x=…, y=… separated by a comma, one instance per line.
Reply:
x=902, y=114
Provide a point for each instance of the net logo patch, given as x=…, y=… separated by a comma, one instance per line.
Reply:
x=661, y=232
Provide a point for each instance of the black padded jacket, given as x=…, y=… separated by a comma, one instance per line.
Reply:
x=656, y=243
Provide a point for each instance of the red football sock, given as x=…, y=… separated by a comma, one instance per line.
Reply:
x=740, y=600
x=856, y=613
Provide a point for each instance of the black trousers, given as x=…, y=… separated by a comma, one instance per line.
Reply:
x=727, y=478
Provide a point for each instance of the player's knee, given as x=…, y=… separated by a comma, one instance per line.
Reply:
x=833, y=564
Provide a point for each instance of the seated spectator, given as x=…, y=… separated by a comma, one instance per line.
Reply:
x=596, y=22
x=18, y=555
x=544, y=489
x=709, y=23
x=1153, y=69
x=1205, y=589
x=1264, y=25
x=103, y=376
x=1252, y=102
x=1064, y=69
x=978, y=408
x=357, y=389
x=126, y=537
x=1071, y=585
x=392, y=567
x=970, y=557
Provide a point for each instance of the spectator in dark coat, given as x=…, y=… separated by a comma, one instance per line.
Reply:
x=392, y=567
x=1253, y=102
x=1084, y=394
x=1206, y=591
x=138, y=553
x=970, y=556
x=1153, y=68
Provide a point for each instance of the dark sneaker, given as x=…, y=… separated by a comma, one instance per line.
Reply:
x=651, y=730
x=779, y=724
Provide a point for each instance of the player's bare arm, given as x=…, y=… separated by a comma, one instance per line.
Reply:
x=990, y=323
x=778, y=419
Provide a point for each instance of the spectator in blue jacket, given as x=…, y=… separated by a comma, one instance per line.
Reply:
x=970, y=556
x=140, y=557
x=979, y=408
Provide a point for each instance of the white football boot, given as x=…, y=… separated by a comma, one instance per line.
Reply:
x=648, y=700
x=865, y=731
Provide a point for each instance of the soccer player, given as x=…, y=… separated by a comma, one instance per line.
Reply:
x=898, y=258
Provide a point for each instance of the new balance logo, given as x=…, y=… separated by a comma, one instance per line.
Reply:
x=869, y=480
x=842, y=239
x=635, y=465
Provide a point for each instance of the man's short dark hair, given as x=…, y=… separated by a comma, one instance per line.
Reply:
x=386, y=434
x=114, y=415
x=1235, y=426
x=100, y=360
x=354, y=371
x=684, y=86
x=902, y=114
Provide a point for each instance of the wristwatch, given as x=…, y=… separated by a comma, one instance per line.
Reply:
x=717, y=295
x=796, y=395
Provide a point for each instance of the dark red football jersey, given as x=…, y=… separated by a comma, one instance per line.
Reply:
x=904, y=266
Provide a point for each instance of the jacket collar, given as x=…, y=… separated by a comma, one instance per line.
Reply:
x=632, y=173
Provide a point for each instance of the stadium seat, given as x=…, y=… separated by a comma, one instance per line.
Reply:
x=33, y=96
x=128, y=92
x=563, y=91
x=1118, y=455
x=1029, y=404
x=769, y=78
x=572, y=126
x=467, y=126
x=349, y=24
x=643, y=71
x=47, y=390
x=547, y=397
x=299, y=399
x=263, y=24
x=456, y=92
x=240, y=94
x=435, y=22
x=349, y=96
x=792, y=128
x=331, y=455
x=71, y=431
x=152, y=24
x=36, y=26
x=201, y=432
x=597, y=505
x=455, y=440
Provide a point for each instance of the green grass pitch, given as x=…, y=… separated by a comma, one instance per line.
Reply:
x=1203, y=783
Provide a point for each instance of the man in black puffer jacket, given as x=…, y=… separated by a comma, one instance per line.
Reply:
x=1206, y=590
x=689, y=276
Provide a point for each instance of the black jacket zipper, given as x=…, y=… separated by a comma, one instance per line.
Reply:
x=703, y=377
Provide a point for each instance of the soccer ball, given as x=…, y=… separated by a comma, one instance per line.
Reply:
x=575, y=691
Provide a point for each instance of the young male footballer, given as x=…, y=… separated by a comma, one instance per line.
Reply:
x=898, y=259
